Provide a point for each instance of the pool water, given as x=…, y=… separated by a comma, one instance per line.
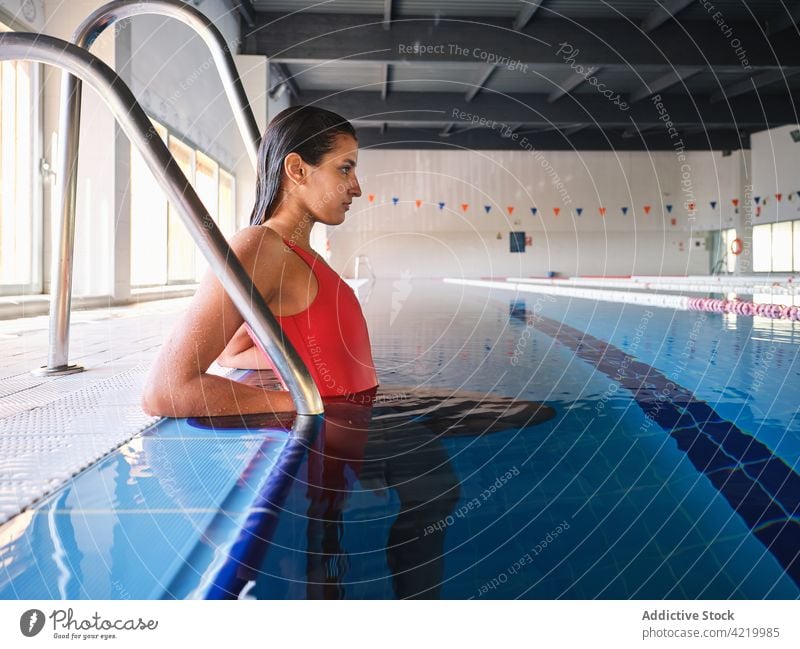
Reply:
x=669, y=468
x=519, y=446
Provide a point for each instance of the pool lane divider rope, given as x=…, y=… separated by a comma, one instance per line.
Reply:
x=758, y=484
x=677, y=302
x=739, y=284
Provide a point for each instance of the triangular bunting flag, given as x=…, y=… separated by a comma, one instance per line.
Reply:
x=488, y=208
x=647, y=209
x=441, y=205
x=602, y=211
x=371, y=197
x=778, y=197
x=691, y=206
x=464, y=206
x=669, y=208
x=757, y=199
x=764, y=202
x=624, y=210
x=579, y=210
x=735, y=202
x=510, y=209
x=418, y=202
x=394, y=200
x=534, y=210
x=556, y=210
x=713, y=205
x=758, y=211
x=673, y=221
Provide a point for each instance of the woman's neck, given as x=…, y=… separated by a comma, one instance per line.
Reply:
x=293, y=225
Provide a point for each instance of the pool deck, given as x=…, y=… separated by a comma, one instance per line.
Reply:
x=51, y=428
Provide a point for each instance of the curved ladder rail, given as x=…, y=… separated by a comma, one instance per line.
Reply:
x=225, y=265
x=64, y=195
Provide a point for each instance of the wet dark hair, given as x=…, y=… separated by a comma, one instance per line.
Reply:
x=306, y=130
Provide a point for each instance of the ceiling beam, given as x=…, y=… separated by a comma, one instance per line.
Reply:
x=586, y=140
x=474, y=90
x=570, y=131
x=286, y=78
x=529, y=7
x=661, y=14
x=788, y=18
x=493, y=111
x=385, y=86
x=512, y=128
x=674, y=76
x=305, y=37
x=752, y=84
x=570, y=83
x=246, y=11
x=387, y=14
x=637, y=130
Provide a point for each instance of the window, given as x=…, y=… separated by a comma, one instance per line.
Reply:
x=148, y=222
x=20, y=229
x=776, y=247
x=180, y=247
x=206, y=182
x=162, y=250
x=227, y=204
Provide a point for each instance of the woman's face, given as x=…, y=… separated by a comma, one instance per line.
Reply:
x=332, y=184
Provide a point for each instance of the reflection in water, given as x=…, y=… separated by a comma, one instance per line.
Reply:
x=378, y=441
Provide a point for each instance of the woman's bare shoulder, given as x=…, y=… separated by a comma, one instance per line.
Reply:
x=254, y=238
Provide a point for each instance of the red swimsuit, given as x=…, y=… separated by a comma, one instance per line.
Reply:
x=331, y=334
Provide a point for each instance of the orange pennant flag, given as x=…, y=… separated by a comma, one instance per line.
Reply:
x=418, y=202
x=647, y=209
x=510, y=209
x=464, y=206
x=735, y=202
x=556, y=210
x=602, y=211
x=371, y=197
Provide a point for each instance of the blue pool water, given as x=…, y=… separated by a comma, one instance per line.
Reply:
x=663, y=464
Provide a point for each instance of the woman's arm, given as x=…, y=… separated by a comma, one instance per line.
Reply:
x=241, y=353
x=178, y=385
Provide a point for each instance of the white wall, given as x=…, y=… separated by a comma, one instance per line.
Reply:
x=23, y=14
x=175, y=79
x=432, y=243
x=253, y=73
x=776, y=170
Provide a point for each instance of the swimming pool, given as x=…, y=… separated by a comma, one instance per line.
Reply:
x=669, y=470
x=663, y=464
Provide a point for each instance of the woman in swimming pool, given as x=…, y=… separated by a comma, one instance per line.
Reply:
x=306, y=175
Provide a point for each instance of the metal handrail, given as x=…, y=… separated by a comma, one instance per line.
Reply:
x=223, y=262
x=64, y=203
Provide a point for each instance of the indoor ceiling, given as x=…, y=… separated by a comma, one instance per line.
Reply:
x=583, y=74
